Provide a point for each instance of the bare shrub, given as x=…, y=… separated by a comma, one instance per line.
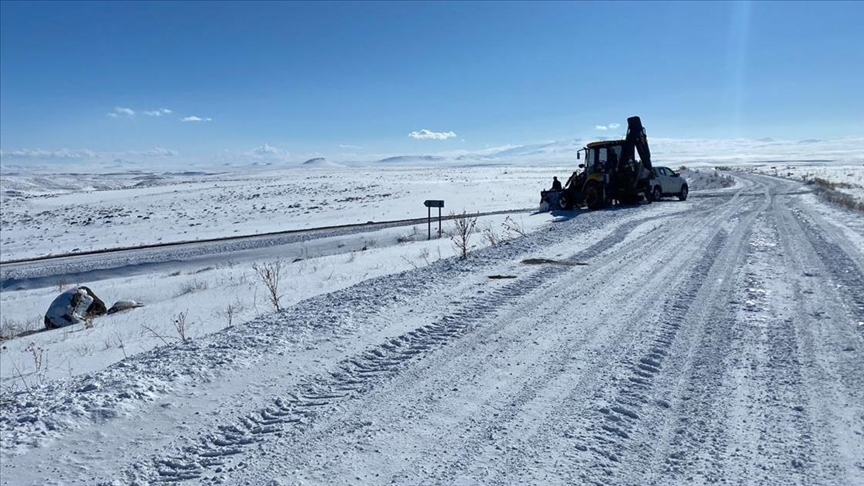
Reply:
x=463, y=228
x=193, y=286
x=181, y=326
x=409, y=262
x=21, y=376
x=491, y=236
x=62, y=284
x=406, y=238
x=152, y=331
x=84, y=350
x=828, y=190
x=120, y=344
x=270, y=274
x=10, y=328
x=36, y=353
x=232, y=310
x=512, y=228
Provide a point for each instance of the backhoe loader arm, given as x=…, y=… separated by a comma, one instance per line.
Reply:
x=636, y=139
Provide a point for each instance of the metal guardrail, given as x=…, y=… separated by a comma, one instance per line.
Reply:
x=368, y=225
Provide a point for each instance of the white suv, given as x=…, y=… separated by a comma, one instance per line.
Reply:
x=667, y=182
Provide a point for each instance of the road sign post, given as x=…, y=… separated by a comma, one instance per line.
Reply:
x=433, y=203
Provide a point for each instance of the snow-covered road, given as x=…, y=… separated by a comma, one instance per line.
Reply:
x=719, y=340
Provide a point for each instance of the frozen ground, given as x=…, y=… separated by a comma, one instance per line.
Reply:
x=200, y=205
x=845, y=178
x=717, y=339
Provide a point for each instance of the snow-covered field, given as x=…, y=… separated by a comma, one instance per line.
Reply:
x=720, y=339
x=200, y=205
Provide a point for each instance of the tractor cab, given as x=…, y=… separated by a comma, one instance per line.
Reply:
x=602, y=157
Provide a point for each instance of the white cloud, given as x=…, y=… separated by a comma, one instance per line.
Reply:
x=345, y=146
x=121, y=111
x=84, y=154
x=267, y=149
x=611, y=126
x=159, y=152
x=194, y=118
x=158, y=112
x=430, y=135
x=50, y=154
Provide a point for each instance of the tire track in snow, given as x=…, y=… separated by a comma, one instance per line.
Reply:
x=605, y=440
x=620, y=419
x=470, y=446
x=686, y=437
x=507, y=415
x=353, y=376
x=612, y=427
x=455, y=449
x=166, y=370
x=767, y=392
x=831, y=347
x=843, y=269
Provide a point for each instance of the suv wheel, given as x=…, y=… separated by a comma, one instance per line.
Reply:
x=682, y=196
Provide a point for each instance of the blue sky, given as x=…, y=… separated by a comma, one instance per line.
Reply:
x=331, y=77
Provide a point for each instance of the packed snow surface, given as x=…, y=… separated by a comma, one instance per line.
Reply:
x=714, y=340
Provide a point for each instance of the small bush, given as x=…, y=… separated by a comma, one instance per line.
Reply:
x=463, y=228
x=181, y=326
x=10, y=328
x=271, y=275
x=193, y=286
x=512, y=229
x=491, y=237
x=827, y=190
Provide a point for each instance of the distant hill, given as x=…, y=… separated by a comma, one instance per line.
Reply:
x=320, y=162
x=412, y=158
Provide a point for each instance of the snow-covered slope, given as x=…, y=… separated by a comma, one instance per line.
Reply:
x=713, y=340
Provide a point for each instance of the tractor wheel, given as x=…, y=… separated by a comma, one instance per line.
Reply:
x=594, y=195
x=564, y=202
x=682, y=196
